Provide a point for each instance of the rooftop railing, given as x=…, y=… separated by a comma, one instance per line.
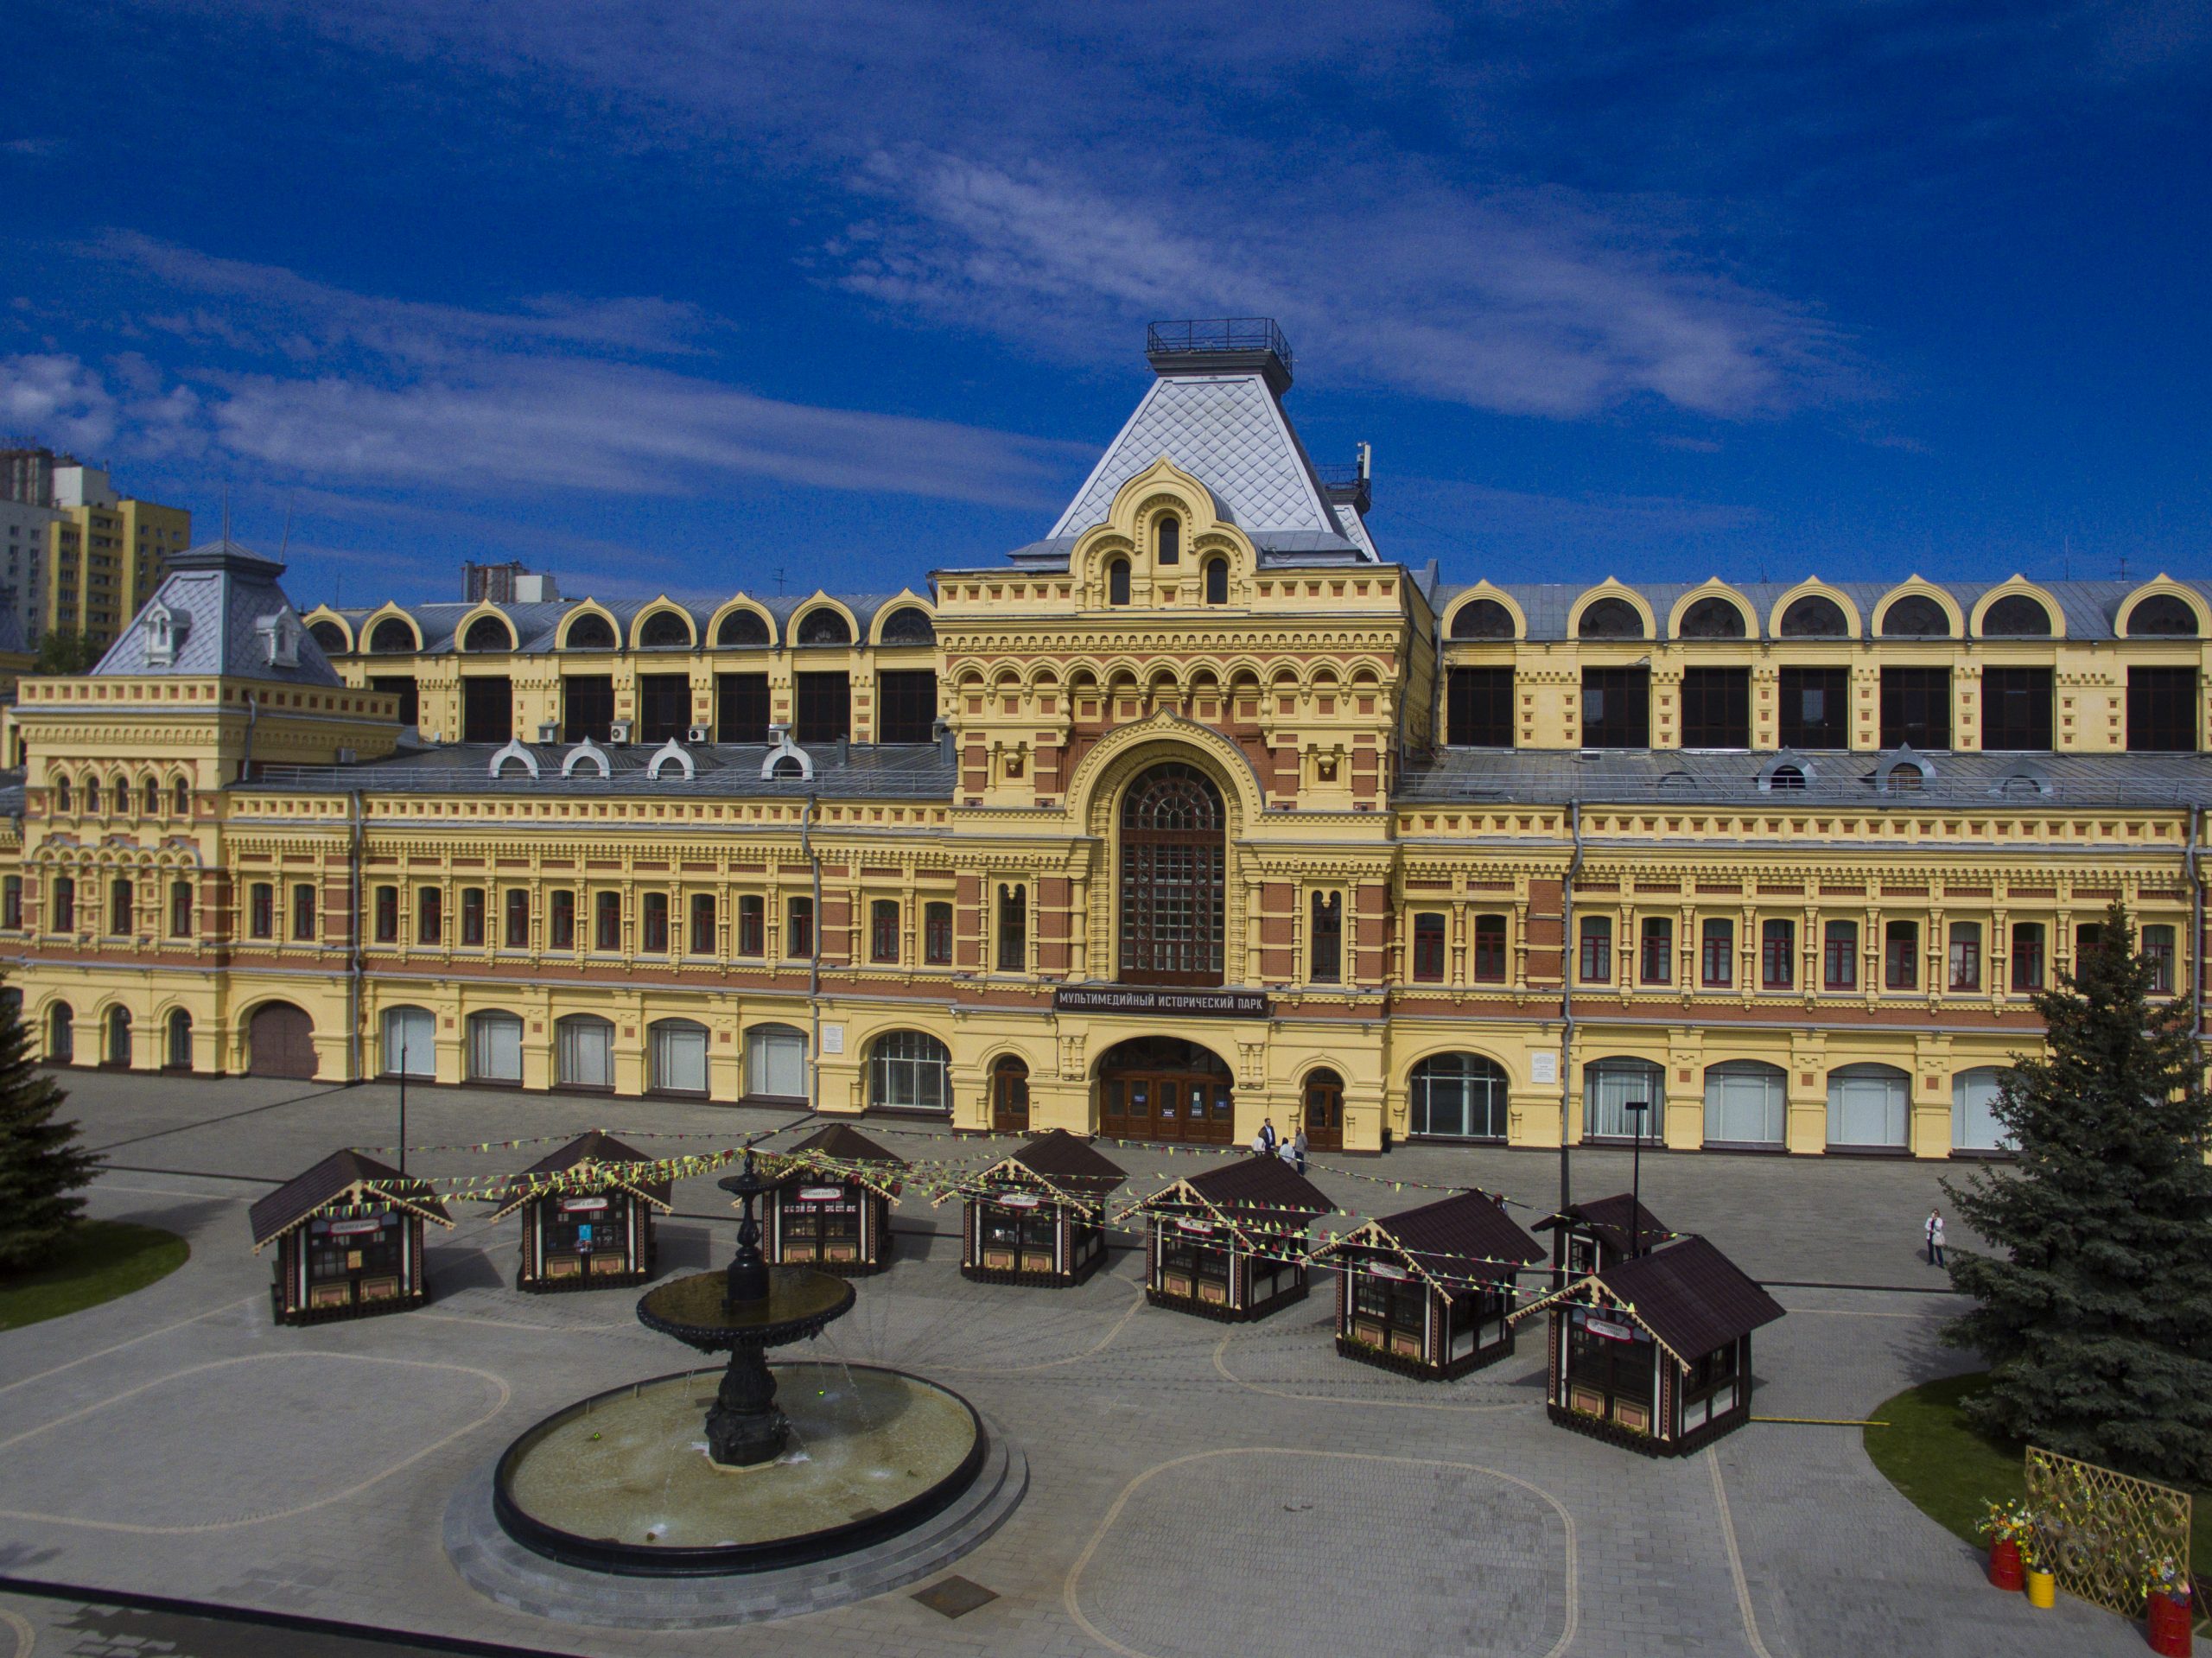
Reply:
x=1214, y=334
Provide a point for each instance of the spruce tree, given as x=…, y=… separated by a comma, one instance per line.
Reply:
x=2095, y=1307
x=41, y=1165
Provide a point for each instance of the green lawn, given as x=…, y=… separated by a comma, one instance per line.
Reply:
x=1949, y=1470
x=102, y=1259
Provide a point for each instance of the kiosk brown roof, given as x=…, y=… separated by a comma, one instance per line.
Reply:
x=592, y=1161
x=339, y=1180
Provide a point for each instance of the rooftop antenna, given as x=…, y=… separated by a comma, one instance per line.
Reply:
x=226, y=510
x=779, y=580
x=286, y=541
x=2066, y=556
x=2123, y=567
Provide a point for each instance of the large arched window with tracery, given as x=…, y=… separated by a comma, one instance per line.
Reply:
x=1173, y=857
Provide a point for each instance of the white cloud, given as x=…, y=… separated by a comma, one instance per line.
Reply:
x=58, y=398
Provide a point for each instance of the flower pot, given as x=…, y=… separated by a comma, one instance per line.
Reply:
x=2004, y=1565
x=2167, y=1619
x=2043, y=1588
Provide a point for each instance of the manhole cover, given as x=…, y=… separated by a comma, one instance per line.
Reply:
x=955, y=1597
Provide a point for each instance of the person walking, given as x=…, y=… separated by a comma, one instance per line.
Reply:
x=1935, y=1237
x=1299, y=1143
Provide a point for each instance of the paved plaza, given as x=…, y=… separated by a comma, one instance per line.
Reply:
x=1195, y=1488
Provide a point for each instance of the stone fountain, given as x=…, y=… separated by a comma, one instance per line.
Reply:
x=850, y=1459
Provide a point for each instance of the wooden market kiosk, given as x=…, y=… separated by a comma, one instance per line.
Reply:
x=1655, y=1352
x=349, y=1240
x=587, y=1216
x=1595, y=1234
x=1430, y=1292
x=830, y=1207
x=1039, y=1216
x=1230, y=1243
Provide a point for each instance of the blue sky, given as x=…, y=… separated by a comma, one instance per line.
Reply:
x=661, y=297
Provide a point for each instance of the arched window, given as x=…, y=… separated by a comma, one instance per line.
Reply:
x=1905, y=777
x=329, y=636
x=1814, y=618
x=678, y=1052
x=179, y=1054
x=64, y=796
x=789, y=765
x=118, y=1039
x=775, y=1063
x=2016, y=616
x=824, y=627
x=1746, y=1104
x=1610, y=619
x=666, y=630
x=1611, y=1086
x=1458, y=1096
x=151, y=793
x=64, y=919
x=61, y=1035
x=2161, y=616
x=391, y=638
x=119, y=906
x=1117, y=582
x=1217, y=580
x=1009, y=1096
x=494, y=1048
x=742, y=630
x=180, y=798
x=1867, y=1106
x=410, y=1042
x=1482, y=618
x=907, y=1071
x=1167, y=541
x=1915, y=616
x=121, y=793
x=909, y=625
x=1174, y=891
x=1712, y=618
x=1974, y=1097
x=583, y=1052
x=1786, y=777
x=487, y=633
x=590, y=632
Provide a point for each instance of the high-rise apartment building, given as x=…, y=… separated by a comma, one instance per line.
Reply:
x=79, y=556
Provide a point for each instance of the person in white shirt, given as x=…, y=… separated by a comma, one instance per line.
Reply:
x=1935, y=1237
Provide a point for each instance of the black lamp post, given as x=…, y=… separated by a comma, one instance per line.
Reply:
x=1636, y=1109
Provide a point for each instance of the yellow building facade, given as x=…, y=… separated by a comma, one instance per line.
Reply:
x=1194, y=812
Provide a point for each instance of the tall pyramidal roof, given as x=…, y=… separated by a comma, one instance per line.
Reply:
x=1215, y=410
x=219, y=611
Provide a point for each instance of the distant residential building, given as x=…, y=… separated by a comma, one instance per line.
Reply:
x=79, y=555
x=507, y=584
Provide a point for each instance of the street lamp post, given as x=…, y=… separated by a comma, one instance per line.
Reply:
x=1636, y=1108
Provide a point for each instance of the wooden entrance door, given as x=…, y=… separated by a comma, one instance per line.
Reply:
x=280, y=1042
x=1010, y=1097
x=1324, y=1117
x=1160, y=1087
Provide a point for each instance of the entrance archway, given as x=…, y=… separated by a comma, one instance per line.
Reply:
x=280, y=1042
x=1323, y=1112
x=1161, y=1088
x=1010, y=1096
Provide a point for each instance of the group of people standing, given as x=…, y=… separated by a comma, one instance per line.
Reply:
x=1268, y=1143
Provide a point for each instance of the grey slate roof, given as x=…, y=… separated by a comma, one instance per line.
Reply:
x=1833, y=778
x=863, y=770
x=2091, y=609
x=1229, y=431
x=219, y=591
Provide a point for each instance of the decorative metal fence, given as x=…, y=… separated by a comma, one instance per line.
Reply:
x=2104, y=1532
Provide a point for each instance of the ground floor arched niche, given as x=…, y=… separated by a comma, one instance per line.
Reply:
x=1164, y=1088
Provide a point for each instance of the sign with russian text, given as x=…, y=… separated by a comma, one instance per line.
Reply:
x=820, y=1194
x=1159, y=999
x=582, y=1205
x=349, y=1228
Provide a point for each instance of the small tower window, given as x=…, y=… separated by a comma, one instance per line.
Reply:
x=1218, y=581
x=1117, y=582
x=1170, y=540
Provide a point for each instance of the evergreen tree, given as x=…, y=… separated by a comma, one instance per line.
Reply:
x=41, y=1166
x=2096, y=1309
x=65, y=650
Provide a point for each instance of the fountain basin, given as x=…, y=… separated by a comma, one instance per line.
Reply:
x=621, y=1481
x=800, y=1301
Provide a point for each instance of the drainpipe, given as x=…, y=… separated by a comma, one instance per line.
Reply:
x=1566, y=1038
x=814, y=964
x=2197, y=933
x=354, y=954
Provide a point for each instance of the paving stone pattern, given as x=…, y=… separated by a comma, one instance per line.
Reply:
x=177, y=1442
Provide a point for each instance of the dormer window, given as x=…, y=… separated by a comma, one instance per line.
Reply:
x=1218, y=581
x=164, y=632
x=1168, y=541
x=1117, y=582
x=280, y=639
